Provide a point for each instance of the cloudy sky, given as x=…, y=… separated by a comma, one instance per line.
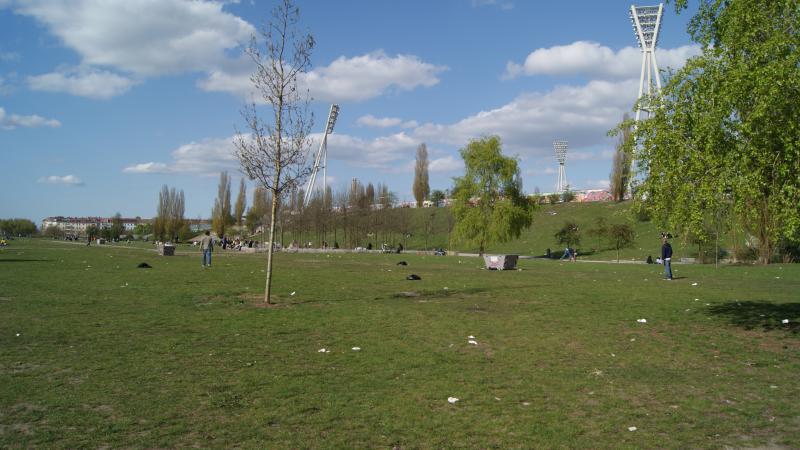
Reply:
x=103, y=101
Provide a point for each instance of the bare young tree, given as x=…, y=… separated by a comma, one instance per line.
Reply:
x=241, y=203
x=221, y=213
x=421, y=186
x=273, y=152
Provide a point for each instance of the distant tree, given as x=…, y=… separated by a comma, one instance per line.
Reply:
x=91, y=232
x=274, y=152
x=488, y=202
x=369, y=191
x=421, y=187
x=568, y=195
x=54, y=232
x=17, y=227
x=169, y=214
x=221, y=216
x=621, y=165
x=142, y=229
x=117, y=228
x=437, y=197
x=553, y=198
x=241, y=203
x=569, y=234
x=620, y=236
x=600, y=230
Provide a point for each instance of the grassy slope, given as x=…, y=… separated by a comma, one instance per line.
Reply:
x=176, y=356
x=539, y=237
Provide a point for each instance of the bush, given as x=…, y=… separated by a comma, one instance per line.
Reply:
x=746, y=254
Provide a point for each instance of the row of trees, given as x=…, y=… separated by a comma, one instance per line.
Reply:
x=169, y=223
x=616, y=236
x=17, y=227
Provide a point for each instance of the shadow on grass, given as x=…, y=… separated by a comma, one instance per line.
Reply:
x=764, y=315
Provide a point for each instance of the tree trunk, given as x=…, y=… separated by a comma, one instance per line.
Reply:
x=270, y=247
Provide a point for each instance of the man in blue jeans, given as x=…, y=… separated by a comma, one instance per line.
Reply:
x=206, y=246
x=666, y=256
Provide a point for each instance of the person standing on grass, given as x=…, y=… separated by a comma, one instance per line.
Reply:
x=666, y=256
x=206, y=246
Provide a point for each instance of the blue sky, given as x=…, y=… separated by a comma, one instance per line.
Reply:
x=102, y=102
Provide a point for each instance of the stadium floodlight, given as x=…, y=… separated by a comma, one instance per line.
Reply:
x=561, y=156
x=321, y=157
x=646, y=21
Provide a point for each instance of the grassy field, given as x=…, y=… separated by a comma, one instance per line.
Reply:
x=97, y=353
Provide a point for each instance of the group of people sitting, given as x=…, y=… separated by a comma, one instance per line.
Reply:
x=237, y=243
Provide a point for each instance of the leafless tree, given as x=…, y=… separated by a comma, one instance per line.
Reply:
x=273, y=152
x=421, y=186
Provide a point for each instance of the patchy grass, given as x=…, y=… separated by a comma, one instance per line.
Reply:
x=179, y=356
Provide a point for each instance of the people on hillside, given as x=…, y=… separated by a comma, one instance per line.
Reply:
x=666, y=255
x=206, y=247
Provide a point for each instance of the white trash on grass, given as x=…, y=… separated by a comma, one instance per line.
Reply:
x=694, y=284
x=785, y=321
x=632, y=428
x=642, y=320
x=323, y=350
x=452, y=400
x=355, y=349
x=472, y=341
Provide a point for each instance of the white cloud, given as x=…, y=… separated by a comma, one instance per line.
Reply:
x=70, y=180
x=9, y=56
x=147, y=37
x=206, y=157
x=446, y=164
x=504, y=5
x=345, y=79
x=386, y=152
x=148, y=167
x=384, y=122
x=82, y=82
x=596, y=184
x=594, y=60
x=528, y=124
x=368, y=76
x=12, y=121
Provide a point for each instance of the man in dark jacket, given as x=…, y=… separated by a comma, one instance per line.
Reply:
x=666, y=256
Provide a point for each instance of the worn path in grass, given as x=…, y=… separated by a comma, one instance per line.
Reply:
x=177, y=356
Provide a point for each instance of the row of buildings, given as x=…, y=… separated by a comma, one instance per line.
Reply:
x=76, y=226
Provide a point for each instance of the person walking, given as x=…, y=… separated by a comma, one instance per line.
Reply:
x=666, y=256
x=206, y=246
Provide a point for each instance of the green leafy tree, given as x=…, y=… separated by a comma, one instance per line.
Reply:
x=437, y=197
x=600, y=230
x=619, y=179
x=620, y=236
x=568, y=195
x=421, y=187
x=569, y=234
x=725, y=130
x=488, y=202
x=17, y=227
x=553, y=198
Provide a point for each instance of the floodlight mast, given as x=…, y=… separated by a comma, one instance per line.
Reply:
x=560, y=148
x=321, y=157
x=646, y=22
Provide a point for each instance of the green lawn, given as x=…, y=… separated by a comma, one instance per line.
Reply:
x=97, y=353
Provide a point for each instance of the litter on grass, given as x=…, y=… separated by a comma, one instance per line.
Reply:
x=632, y=428
x=470, y=337
x=293, y=292
x=642, y=320
x=323, y=350
x=452, y=400
x=355, y=349
x=694, y=284
x=473, y=342
x=17, y=334
x=785, y=321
